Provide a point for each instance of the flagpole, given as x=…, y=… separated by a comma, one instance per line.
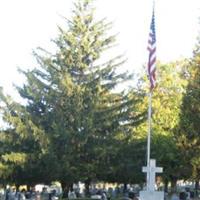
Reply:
x=149, y=120
x=149, y=138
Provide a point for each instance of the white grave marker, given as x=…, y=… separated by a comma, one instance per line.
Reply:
x=150, y=193
x=151, y=171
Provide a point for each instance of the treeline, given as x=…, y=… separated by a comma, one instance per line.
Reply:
x=74, y=124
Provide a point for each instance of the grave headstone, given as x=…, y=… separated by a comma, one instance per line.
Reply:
x=150, y=193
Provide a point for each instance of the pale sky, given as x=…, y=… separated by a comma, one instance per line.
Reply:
x=27, y=24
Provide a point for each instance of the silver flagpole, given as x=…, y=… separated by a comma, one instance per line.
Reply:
x=149, y=131
x=149, y=139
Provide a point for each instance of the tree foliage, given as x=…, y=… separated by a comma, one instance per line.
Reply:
x=166, y=104
x=73, y=121
x=188, y=137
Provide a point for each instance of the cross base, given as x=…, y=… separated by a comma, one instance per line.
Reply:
x=151, y=195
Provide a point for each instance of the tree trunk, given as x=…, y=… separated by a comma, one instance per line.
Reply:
x=125, y=188
x=65, y=188
x=196, y=187
x=17, y=187
x=87, y=187
x=63, y=185
x=173, y=185
x=166, y=183
x=28, y=187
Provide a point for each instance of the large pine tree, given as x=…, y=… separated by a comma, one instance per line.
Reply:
x=73, y=111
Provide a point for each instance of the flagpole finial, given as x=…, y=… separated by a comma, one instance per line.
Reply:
x=153, y=5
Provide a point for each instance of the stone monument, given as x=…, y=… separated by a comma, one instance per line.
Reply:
x=150, y=193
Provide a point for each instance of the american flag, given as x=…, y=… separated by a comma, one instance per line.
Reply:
x=152, y=53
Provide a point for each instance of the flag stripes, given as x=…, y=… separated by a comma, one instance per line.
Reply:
x=152, y=53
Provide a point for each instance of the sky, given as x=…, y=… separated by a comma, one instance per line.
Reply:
x=28, y=24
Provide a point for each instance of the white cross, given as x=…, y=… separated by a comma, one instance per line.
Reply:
x=151, y=171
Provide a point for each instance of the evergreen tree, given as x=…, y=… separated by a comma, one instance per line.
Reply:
x=73, y=111
x=189, y=129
